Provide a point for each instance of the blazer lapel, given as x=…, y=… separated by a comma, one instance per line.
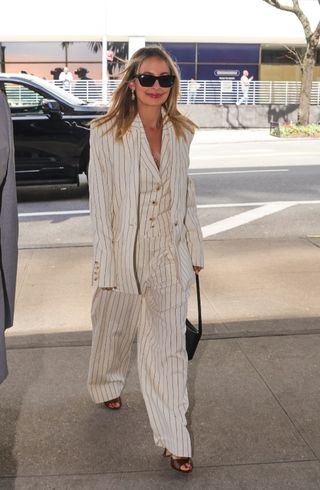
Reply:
x=173, y=148
x=132, y=141
x=165, y=149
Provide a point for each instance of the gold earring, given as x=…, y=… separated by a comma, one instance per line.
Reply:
x=133, y=97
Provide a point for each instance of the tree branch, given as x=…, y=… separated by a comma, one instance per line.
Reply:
x=296, y=10
x=280, y=6
x=292, y=54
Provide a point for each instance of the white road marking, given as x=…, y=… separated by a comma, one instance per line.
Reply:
x=211, y=146
x=236, y=156
x=199, y=206
x=239, y=171
x=54, y=213
x=244, y=218
x=254, y=204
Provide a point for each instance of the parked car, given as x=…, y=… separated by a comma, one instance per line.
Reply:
x=51, y=130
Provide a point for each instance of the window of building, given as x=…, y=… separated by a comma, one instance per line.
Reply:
x=228, y=53
x=281, y=55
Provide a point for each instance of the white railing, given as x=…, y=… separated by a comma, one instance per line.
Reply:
x=90, y=90
x=210, y=91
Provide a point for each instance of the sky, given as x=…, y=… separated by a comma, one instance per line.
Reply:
x=207, y=20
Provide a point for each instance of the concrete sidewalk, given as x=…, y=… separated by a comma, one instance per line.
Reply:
x=254, y=384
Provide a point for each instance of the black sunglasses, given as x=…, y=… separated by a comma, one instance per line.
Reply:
x=165, y=81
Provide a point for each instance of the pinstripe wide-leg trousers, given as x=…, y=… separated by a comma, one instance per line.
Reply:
x=157, y=318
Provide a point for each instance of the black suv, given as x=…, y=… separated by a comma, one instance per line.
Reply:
x=51, y=130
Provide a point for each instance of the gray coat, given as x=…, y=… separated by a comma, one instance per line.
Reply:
x=8, y=229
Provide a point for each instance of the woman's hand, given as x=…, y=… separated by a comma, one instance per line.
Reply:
x=197, y=269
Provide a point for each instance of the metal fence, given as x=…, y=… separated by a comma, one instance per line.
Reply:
x=210, y=91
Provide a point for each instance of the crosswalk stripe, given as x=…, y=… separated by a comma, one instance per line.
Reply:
x=243, y=218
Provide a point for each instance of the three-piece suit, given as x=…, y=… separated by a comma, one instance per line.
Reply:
x=146, y=238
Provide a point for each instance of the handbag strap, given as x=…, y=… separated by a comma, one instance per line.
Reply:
x=199, y=304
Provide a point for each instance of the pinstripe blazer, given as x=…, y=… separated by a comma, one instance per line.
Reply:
x=114, y=179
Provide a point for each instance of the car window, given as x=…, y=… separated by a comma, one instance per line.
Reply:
x=23, y=99
x=60, y=93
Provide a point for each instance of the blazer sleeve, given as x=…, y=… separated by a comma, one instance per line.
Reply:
x=194, y=233
x=101, y=209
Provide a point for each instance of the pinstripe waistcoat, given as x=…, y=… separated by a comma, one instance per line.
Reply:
x=114, y=180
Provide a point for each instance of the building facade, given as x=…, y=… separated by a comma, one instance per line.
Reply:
x=201, y=60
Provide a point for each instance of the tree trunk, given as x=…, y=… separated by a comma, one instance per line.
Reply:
x=306, y=85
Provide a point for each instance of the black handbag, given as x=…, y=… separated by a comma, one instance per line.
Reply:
x=193, y=334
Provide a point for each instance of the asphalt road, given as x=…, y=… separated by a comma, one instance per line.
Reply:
x=245, y=189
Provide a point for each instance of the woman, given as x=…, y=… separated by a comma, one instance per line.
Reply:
x=147, y=246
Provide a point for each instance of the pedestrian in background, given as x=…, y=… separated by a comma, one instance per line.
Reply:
x=8, y=229
x=147, y=247
x=193, y=87
x=245, y=85
x=66, y=78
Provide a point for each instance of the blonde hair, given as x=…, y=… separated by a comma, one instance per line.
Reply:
x=123, y=109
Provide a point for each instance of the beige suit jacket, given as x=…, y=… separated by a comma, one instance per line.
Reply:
x=114, y=179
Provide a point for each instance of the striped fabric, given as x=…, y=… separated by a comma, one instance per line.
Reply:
x=114, y=180
x=163, y=274
x=157, y=318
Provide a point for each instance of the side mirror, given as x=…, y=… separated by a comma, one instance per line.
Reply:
x=51, y=107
